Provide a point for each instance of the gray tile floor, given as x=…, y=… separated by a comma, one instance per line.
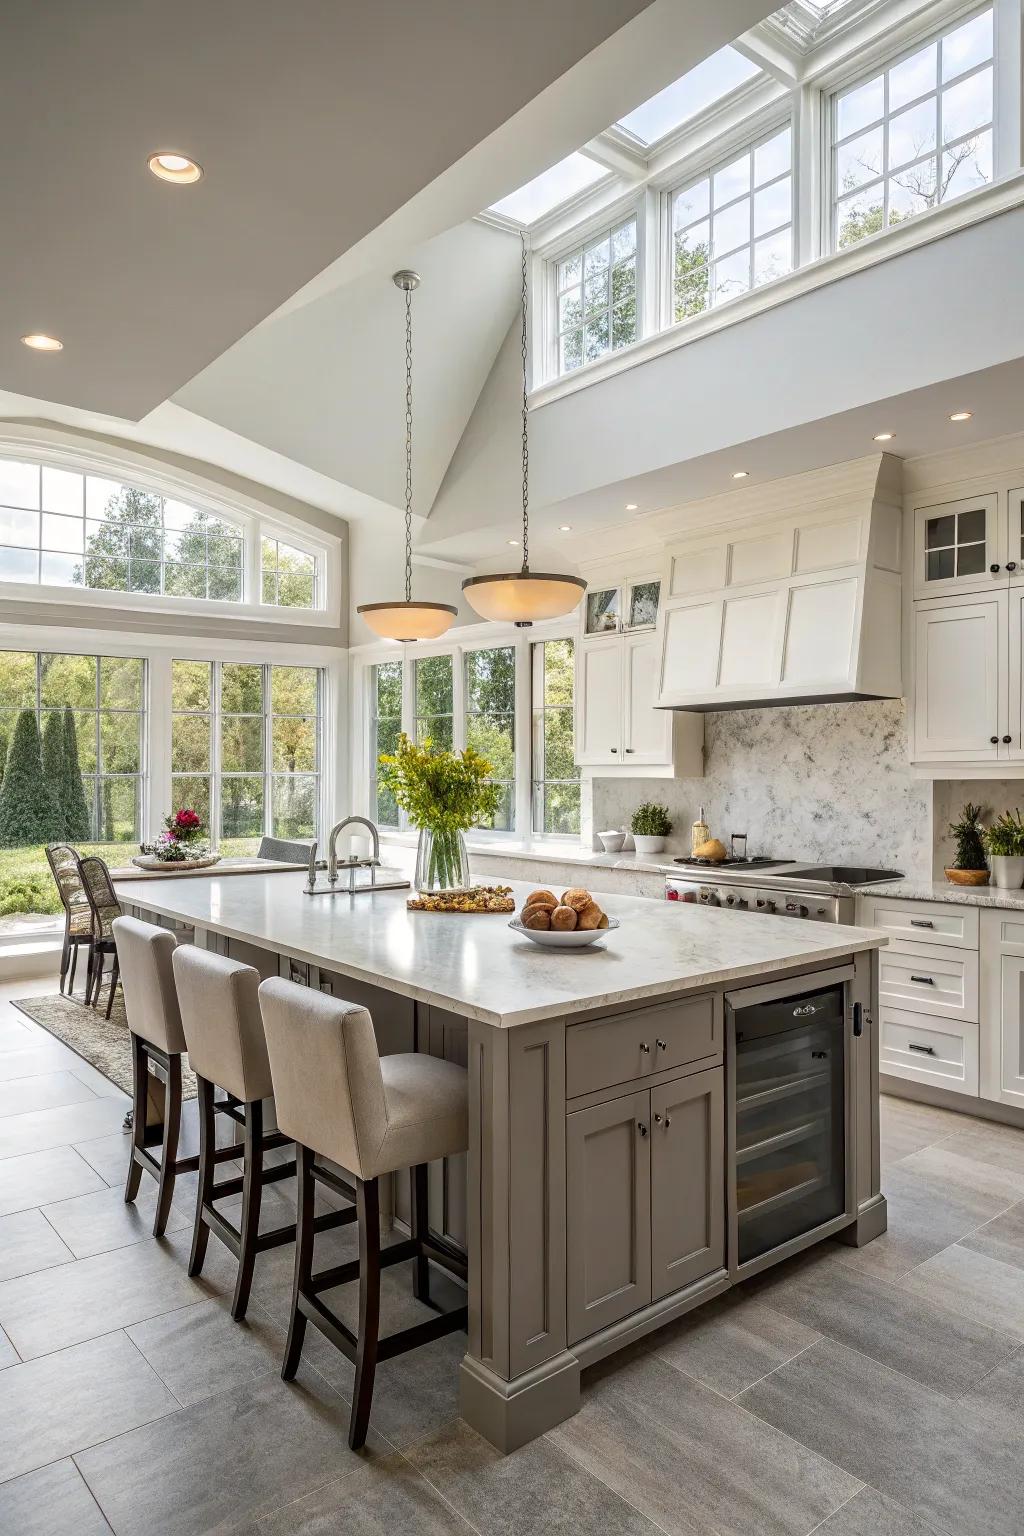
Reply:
x=871, y=1392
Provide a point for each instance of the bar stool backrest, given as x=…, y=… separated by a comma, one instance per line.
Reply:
x=66, y=870
x=220, y=1013
x=99, y=892
x=328, y=1089
x=150, y=998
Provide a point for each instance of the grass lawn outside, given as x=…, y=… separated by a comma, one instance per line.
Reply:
x=28, y=893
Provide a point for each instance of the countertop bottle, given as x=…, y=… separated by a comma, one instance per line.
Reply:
x=700, y=832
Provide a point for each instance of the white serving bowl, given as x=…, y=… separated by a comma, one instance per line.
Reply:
x=574, y=938
x=611, y=842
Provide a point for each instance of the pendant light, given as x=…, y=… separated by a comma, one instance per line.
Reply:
x=522, y=596
x=408, y=620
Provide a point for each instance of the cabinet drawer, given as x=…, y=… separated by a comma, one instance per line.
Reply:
x=922, y=922
x=634, y=1045
x=929, y=978
x=922, y=1049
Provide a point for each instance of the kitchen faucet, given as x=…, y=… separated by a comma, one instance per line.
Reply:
x=351, y=864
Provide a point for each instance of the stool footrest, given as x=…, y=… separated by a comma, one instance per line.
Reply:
x=334, y=1181
x=342, y=1274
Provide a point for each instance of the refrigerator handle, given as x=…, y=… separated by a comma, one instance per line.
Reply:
x=858, y=1019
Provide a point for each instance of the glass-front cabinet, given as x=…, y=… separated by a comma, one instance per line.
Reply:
x=962, y=546
x=628, y=606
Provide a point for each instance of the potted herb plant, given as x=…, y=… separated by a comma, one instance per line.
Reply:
x=650, y=826
x=1004, y=844
x=444, y=794
x=969, y=866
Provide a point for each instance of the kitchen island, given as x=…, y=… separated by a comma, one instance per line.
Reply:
x=600, y=1197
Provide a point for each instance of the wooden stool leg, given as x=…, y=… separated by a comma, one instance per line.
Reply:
x=140, y=1078
x=252, y=1195
x=303, y=1258
x=172, y=1124
x=207, y=1141
x=114, y=975
x=421, y=1268
x=74, y=967
x=65, y=956
x=367, y=1204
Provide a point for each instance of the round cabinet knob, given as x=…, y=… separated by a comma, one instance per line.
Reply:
x=994, y=740
x=994, y=569
x=1011, y=565
x=1007, y=740
x=645, y=1047
x=615, y=749
x=629, y=749
x=641, y=1128
x=662, y=1045
x=657, y=1119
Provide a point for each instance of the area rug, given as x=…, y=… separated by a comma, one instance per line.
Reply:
x=104, y=1043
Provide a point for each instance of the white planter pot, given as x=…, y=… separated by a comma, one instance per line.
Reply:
x=1007, y=872
x=657, y=844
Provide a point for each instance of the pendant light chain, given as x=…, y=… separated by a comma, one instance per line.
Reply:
x=526, y=412
x=408, y=445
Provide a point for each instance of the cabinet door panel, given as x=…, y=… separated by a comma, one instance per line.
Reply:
x=608, y=1221
x=648, y=731
x=1014, y=748
x=955, y=546
x=599, y=686
x=691, y=649
x=687, y=1181
x=960, y=682
x=750, y=634
x=820, y=630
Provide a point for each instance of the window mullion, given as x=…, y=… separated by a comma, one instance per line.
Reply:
x=1007, y=149
x=268, y=777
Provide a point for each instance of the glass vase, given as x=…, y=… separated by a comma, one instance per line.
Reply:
x=442, y=861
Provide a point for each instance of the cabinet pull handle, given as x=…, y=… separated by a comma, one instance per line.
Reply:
x=645, y=1047
x=641, y=1128
x=994, y=569
x=925, y=1050
x=662, y=1045
x=921, y=922
x=927, y=981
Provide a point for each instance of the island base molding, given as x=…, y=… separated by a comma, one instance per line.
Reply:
x=511, y=1413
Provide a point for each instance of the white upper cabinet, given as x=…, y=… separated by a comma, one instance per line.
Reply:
x=803, y=606
x=599, y=696
x=623, y=608
x=961, y=546
x=961, y=699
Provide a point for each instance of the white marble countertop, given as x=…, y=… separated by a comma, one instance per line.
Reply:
x=474, y=964
x=942, y=890
x=555, y=853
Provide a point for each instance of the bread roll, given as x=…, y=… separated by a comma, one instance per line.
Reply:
x=604, y=920
x=541, y=898
x=563, y=919
x=536, y=917
x=576, y=897
x=591, y=916
x=712, y=849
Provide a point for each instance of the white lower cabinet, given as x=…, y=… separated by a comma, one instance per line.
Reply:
x=924, y=1049
x=1002, y=1006
x=930, y=978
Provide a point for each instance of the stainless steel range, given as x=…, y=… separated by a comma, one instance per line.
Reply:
x=823, y=893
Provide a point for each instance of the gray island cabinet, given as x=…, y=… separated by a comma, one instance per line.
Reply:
x=638, y=1133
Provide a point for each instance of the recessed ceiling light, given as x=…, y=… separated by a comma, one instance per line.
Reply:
x=740, y=474
x=961, y=415
x=40, y=343
x=631, y=506
x=514, y=542
x=565, y=527
x=884, y=437
x=175, y=167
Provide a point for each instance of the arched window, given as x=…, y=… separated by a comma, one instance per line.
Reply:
x=69, y=527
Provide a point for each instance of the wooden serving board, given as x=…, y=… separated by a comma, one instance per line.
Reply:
x=476, y=898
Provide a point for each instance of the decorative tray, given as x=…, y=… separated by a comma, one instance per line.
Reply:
x=475, y=898
x=150, y=861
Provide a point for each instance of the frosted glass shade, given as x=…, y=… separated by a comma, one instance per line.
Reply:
x=523, y=597
x=408, y=621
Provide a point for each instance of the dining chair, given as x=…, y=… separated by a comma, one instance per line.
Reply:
x=64, y=866
x=105, y=907
x=339, y=1100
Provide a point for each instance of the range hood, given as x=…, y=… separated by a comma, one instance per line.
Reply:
x=797, y=603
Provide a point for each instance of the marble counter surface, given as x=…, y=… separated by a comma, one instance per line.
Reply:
x=942, y=890
x=475, y=965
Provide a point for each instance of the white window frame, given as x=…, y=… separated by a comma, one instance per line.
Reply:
x=539, y=711
x=631, y=206
x=748, y=146
x=882, y=63
x=268, y=774
x=61, y=449
x=471, y=638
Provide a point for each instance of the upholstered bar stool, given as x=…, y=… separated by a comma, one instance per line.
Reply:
x=220, y=1014
x=339, y=1100
x=151, y=1003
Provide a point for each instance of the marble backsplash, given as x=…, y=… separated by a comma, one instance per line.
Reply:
x=828, y=782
